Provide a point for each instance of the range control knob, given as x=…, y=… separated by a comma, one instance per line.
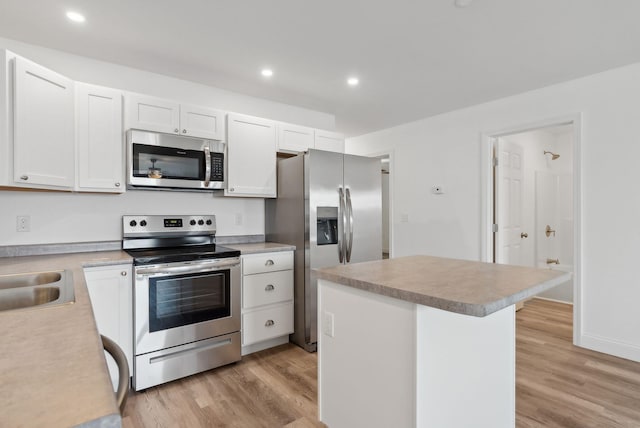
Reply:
x=192, y=222
x=133, y=223
x=208, y=222
x=200, y=222
x=143, y=223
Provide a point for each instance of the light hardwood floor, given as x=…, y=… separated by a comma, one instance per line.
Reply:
x=557, y=385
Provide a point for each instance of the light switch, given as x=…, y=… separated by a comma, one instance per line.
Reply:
x=328, y=324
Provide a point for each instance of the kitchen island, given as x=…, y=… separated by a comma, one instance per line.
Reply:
x=421, y=341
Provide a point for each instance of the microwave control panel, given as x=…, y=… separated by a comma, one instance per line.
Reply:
x=217, y=167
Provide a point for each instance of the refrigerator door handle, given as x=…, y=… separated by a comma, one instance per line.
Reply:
x=341, y=215
x=350, y=218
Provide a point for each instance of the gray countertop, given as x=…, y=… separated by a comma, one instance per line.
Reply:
x=260, y=247
x=52, y=365
x=465, y=287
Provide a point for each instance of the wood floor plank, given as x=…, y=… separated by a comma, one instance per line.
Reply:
x=557, y=385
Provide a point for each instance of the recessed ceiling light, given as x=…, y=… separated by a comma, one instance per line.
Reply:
x=462, y=3
x=75, y=16
x=353, y=81
x=267, y=72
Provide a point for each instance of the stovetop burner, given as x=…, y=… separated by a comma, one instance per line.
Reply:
x=180, y=254
x=153, y=239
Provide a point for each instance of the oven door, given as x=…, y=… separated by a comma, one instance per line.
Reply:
x=180, y=303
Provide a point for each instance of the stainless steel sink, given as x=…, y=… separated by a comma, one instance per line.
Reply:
x=29, y=279
x=36, y=290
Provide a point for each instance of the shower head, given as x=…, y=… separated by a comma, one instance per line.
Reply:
x=554, y=156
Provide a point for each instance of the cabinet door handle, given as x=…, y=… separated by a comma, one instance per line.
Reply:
x=123, y=273
x=176, y=130
x=184, y=131
x=24, y=177
x=269, y=323
x=117, y=184
x=268, y=263
x=269, y=287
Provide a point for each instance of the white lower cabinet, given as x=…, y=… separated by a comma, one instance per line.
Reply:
x=111, y=293
x=267, y=300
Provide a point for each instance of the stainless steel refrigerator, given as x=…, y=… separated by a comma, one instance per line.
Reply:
x=329, y=206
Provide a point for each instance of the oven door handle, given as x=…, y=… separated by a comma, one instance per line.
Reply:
x=190, y=268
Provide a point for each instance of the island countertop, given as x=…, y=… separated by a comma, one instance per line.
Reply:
x=460, y=286
x=52, y=365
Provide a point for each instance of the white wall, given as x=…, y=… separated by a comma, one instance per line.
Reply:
x=64, y=217
x=446, y=150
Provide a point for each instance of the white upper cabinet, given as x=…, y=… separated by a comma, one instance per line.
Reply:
x=203, y=122
x=44, y=143
x=329, y=141
x=251, y=156
x=100, y=139
x=152, y=114
x=160, y=115
x=294, y=138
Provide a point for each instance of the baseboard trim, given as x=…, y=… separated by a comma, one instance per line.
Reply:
x=260, y=346
x=612, y=347
x=553, y=300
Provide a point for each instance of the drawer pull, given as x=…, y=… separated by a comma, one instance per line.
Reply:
x=269, y=323
x=268, y=263
x=269, y=287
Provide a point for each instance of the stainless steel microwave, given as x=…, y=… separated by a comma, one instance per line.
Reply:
x=167, y=161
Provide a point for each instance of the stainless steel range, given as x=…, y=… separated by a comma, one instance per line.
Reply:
x=186, y=297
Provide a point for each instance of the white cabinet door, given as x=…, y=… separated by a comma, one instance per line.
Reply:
x=293, y=138
x=44, y=143
x=100, y=139
x=152, y=114
x=251, y=159
x=329, y=141
x=202, y=122
x=111, y=293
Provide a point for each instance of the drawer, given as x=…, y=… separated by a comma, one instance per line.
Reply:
x=267, y=288
x=264, y=324
x=267, y=262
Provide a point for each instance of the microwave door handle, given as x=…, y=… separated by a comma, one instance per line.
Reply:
x=207, y=168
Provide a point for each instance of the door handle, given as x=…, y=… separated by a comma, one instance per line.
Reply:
x=350, y=218
x=342, y=215
x=207, y=166
x=524, y=235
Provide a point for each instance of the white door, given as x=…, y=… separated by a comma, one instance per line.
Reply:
x=152, y=114
x=44, y=143
x=251, y=156
x=329, y=141
x=294, y=139
x=202, y=122
x=509, y=183
x=100, y=139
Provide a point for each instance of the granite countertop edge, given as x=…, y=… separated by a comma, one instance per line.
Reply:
x=464, y=308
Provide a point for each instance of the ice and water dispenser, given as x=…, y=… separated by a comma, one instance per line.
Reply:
x=327, y=225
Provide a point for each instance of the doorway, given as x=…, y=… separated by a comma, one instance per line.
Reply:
x=532, y=203
x=385, y=170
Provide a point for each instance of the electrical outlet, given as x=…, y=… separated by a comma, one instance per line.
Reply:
x=23, y=223
x=238, y=219
x=328, y=325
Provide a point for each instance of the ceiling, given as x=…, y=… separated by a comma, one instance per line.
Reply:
x=414, y=58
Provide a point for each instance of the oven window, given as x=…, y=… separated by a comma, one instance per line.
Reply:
x=180, y=300
x=168, y=162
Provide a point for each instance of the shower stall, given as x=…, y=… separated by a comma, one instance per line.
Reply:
x=535, y=212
